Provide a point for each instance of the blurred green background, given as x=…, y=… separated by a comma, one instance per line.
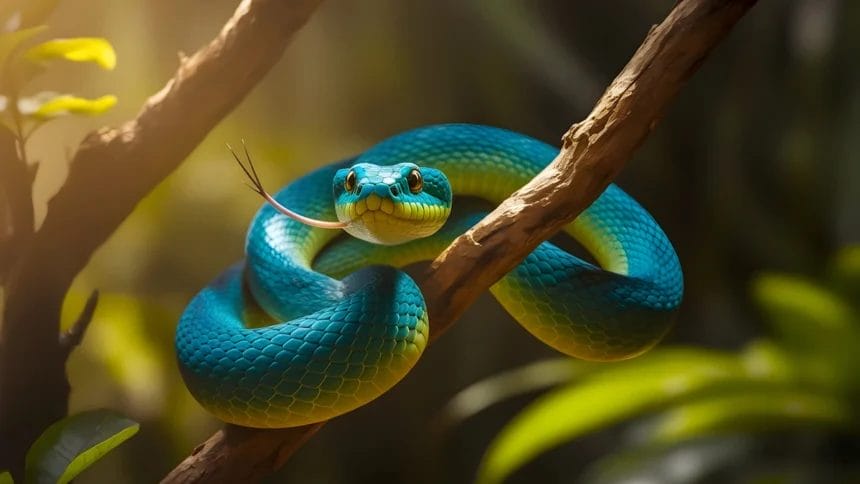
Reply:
x=755, y=167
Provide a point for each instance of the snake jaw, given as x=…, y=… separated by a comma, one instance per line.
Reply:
x=381, y=205
x=381, y=221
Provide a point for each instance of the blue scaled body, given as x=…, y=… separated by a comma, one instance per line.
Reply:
x=314, y=324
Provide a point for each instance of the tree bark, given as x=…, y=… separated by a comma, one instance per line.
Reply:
x=593, y=153
x=112, y=170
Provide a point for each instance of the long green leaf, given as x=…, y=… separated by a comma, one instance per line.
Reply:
x=6, y=478
x=744, y=411
x=502, y=386
x=655, y=381
x=80, y=49
x=801, y=311
x=74, y=443
x=817, y=326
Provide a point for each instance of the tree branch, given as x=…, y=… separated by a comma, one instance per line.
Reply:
x=205, y=88
x=593, y=152
x=112, y=170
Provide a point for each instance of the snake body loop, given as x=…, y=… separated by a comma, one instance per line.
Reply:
x=331, y=330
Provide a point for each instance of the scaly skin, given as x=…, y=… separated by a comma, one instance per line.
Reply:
x=337, y=343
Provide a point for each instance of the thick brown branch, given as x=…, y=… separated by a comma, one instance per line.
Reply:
x=240, y=454
x=112, y=170
x=593, y=152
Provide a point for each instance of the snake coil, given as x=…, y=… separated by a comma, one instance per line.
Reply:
x=337, y=329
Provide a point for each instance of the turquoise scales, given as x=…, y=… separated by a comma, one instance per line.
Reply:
x=351, y=329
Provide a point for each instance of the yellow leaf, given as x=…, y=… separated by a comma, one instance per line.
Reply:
x=67, y=104
x=80, y=49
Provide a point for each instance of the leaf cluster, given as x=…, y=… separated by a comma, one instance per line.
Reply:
x=803, y=377
x=22, y=60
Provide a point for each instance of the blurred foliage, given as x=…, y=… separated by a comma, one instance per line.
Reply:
x=71, y=445
x=804, y=377
x=755, y=165
x=19, y=65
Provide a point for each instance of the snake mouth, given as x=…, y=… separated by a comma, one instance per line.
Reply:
x=380, y=220
x=380, y=208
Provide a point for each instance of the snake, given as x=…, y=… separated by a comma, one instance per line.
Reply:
x=319, y=319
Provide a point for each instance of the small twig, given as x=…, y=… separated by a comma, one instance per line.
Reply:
x=73, y=337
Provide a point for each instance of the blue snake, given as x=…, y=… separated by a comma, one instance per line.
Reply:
x=315, y=323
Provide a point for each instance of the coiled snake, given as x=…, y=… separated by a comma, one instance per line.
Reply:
x=337, y=330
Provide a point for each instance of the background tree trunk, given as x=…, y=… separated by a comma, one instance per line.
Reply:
x=112, y=170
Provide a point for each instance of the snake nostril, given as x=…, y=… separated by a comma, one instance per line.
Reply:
x=394, y=190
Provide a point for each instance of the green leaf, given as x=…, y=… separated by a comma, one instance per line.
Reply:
x=80, y=49
x=67, y=104
x=815, y=325
x=502, y=386
x=806, y=315
x=74, y=443
x=6, y=478
x=621, y=392
x=765, y=409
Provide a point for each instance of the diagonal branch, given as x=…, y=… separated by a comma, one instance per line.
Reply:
x=125, y=163
x=593, y=152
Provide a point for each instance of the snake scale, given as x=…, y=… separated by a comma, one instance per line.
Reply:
x=314, y=324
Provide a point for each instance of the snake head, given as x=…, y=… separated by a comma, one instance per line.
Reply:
x=391, y=204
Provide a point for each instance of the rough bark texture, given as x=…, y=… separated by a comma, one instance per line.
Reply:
x=261, y=453
x=593, y=152
x=112, y=170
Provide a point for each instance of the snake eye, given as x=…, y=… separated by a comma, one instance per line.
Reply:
x=416, y=182
x=349, y=182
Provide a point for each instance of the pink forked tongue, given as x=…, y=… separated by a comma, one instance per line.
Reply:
x=257, y=185
x=323, y=224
